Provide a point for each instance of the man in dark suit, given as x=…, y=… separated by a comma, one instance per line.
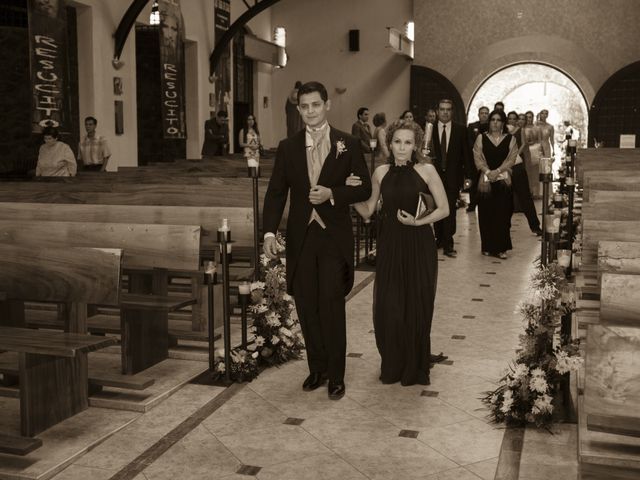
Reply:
x=454, y=164
x=474, y=129
x=362, y=130
x=312, y=167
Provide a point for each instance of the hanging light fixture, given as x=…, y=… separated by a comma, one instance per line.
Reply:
x=154, y=18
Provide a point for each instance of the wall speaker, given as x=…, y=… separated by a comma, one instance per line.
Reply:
x=354, y=40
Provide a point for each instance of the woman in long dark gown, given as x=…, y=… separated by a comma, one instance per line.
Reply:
x=406, y=263
x=495, y=153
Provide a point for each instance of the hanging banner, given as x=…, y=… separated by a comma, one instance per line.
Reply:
x=172, y=68
x=222, y=85
x=48, y=64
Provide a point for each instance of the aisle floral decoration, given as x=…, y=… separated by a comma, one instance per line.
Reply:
x=274, y=335
x=530, y=389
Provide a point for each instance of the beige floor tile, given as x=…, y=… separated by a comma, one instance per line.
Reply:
x=466, y=442
x=77, y=472
x=198, y=456
x=271, y=445
x=459, y=473
x=322, y=467
x=485, y=469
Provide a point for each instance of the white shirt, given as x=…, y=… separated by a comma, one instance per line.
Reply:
x=440, y=127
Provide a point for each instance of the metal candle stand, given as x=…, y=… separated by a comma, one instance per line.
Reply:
x=546, y=179
x=253, y=172
x=224, y=238
x=210, y=280
x=243, y=299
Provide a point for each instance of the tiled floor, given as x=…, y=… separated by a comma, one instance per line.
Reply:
x=271, y=429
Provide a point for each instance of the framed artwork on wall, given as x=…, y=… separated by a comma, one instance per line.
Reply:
x=117, y=85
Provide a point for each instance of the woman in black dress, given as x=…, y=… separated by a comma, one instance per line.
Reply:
x=406, y=263
x=495, y=153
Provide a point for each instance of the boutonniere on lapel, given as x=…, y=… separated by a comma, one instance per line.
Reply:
x=340, y=148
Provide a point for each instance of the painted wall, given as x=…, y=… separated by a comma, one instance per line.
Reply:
x=97, y=22
x=318, y=49
x=468, y=40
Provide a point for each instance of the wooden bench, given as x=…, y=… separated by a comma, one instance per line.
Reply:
x=606, y=159
x=52, y=373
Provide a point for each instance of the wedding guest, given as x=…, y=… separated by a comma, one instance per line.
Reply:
x=361, y=129
x=93, y=149
x=547, y=134
x=216, y=134
x=431, y=116
x=55, y=158
x=407, y=116
x=495, y=153
x=520, y=181
x=474, y=129
x=453, y=161
x=406, y=263
x=498, y=106
x=320, y=244
x=532, y=153
x=294, y=120
x=380, y=134
x=249, y=138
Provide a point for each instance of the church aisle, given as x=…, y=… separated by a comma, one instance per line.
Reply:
x=271, y=429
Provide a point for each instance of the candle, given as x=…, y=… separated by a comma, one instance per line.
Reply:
x=225, y=226
x=244, y=288
x=428, y=132
x=545, y=165
x=252, y=162
x=228, y=248
x=570, y=181
x=373, y=143
x=564, y=257
x=552, y=223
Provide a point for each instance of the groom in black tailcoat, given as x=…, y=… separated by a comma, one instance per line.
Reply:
x=312, y=167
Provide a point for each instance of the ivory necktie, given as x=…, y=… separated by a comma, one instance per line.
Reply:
x=443, y=147
x=316, y=156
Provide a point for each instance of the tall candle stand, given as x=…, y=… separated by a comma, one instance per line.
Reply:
x=244, y=293
x=224, y=238
x=253, y=172
x=546, y=177
x=210, y=280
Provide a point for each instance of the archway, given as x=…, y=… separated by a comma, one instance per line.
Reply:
x=535, y=86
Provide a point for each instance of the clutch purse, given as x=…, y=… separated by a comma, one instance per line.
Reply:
x=426, y=205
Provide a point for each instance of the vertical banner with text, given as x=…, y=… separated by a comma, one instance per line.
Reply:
x=172, y=69
x=222, y=86
x=48, y=64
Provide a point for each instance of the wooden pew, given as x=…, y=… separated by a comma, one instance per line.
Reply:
x=53, y=365
x=606, y=158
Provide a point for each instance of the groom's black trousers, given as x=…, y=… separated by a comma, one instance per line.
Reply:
x=319, y=285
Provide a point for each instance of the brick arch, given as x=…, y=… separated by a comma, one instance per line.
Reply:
x=581, y=66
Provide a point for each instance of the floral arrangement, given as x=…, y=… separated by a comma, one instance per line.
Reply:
x=275, y=335
x=529, y=390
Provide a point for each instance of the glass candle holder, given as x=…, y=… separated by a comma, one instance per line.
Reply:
x=373, y=143
x=552, y=223
x=570, y=181
x=564, y=257
x=244, y=288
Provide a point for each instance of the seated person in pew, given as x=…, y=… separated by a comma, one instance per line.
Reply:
x=55, y=158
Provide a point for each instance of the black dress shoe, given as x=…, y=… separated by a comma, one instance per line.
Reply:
x=438, y=358
x=451, y=253
x=313, y=381
x=336, y=390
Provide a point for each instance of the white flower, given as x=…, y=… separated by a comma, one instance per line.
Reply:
x=220, y=367
x=254, y=355
x=264, y=260
x=507, y=401
x=286, y=332
x=286, y=297
x=259, y=341
x=257, y=286
x=340, y=147
x=565, y=363
x=260, y=308
x=537, y=372
x=538, y=384
x=275, y=340
x=542, y=405
x=520, y=371
x=273, y=319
